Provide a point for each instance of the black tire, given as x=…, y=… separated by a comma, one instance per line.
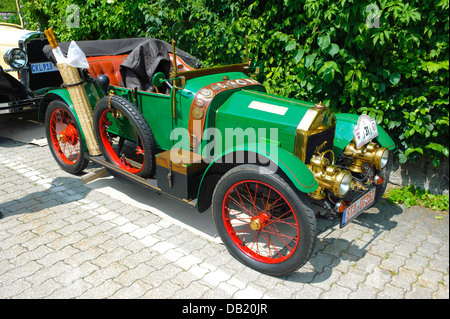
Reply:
x=137, y=156
x=64, y=138
x=275, y=240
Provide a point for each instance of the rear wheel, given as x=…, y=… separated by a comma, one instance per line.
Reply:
x=263, y=221
x=64, y=138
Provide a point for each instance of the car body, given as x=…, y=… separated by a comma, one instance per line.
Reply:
x=213, y=137
x=25, y=73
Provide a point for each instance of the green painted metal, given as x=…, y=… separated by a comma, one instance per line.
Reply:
x=255, y=121
x=262, y=112
x=157, y=110
x=292, y=166
x=243, y=120
x=345, y=125
x=62, y=93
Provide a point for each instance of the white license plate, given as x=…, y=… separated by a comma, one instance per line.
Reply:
x=362, y=203
x=43, y=67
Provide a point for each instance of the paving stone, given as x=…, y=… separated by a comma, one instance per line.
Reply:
x=62, y=239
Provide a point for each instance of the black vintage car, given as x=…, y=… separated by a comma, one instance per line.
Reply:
x=25, y=73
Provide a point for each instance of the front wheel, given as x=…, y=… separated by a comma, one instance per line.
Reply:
x=263, y=221
x=64, y=138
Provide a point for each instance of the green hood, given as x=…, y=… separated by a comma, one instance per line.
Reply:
x=257, y=110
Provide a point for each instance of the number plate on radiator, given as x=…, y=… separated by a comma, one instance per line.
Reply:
x=361, y=204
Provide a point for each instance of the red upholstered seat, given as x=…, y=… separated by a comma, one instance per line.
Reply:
x=108, y=65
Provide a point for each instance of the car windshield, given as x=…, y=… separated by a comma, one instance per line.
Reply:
x=9, y=13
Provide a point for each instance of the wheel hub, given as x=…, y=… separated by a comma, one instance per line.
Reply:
x=259, y=222
x=256, y=224
x=69, y=135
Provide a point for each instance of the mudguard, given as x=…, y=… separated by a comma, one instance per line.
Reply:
x=62, y=94
x=344, y=133
x=292, y=166
x=94, y=95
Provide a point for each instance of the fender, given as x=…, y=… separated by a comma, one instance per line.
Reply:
x=62, y=94
x=297, y=172
x=344, y=133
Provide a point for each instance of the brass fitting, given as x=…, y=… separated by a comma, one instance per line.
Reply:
x=329, y=176
x=372, y=153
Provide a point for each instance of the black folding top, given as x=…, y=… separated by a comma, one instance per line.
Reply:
x=116, y=47
x=143, y=63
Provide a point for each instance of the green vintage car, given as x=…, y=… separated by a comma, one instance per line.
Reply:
x=268, y=166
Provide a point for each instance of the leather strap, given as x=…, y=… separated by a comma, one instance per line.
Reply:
x=202, y=101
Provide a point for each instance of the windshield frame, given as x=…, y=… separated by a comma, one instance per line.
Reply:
x=18, y=12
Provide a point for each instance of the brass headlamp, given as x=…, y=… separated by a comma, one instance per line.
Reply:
x=329, y=176
x=372, y=153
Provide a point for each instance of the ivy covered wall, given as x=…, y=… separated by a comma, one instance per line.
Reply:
x=386, y=58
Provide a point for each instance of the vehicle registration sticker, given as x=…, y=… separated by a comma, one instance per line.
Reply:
x=271, y=108
x=43, y=67
x=361, y=204
x=365, y=130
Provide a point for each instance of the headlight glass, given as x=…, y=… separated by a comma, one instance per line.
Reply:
x=16, y=58
x=344, y=186
x=384, y=158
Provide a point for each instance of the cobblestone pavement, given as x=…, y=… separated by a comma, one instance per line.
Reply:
x=60, y=238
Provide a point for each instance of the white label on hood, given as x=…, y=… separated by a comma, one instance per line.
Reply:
x=271, y=108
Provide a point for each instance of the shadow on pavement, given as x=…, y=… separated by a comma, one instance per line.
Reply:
x=335, y=245
x=63, y=190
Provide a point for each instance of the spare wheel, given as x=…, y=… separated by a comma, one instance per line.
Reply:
x=124, y=136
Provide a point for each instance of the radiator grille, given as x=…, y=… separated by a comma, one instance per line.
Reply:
x=315, y=133
x=317, y=140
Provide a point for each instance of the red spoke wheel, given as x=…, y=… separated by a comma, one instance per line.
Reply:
x=263, y=221
x=64, y=138
x=124, y=136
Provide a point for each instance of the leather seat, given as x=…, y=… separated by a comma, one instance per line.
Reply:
x=108, y=65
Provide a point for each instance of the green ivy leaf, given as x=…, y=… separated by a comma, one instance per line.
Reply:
x=299, y=55
x=333, y=49
x=309, y=60
x=284, y=37
x=436, y=162
x=411, y=150
x=290, y=46
x=323, y=41
x=328, y=75
x=394, y=78
x=402, y=158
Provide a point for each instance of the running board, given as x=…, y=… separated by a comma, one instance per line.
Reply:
x=149, y=183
